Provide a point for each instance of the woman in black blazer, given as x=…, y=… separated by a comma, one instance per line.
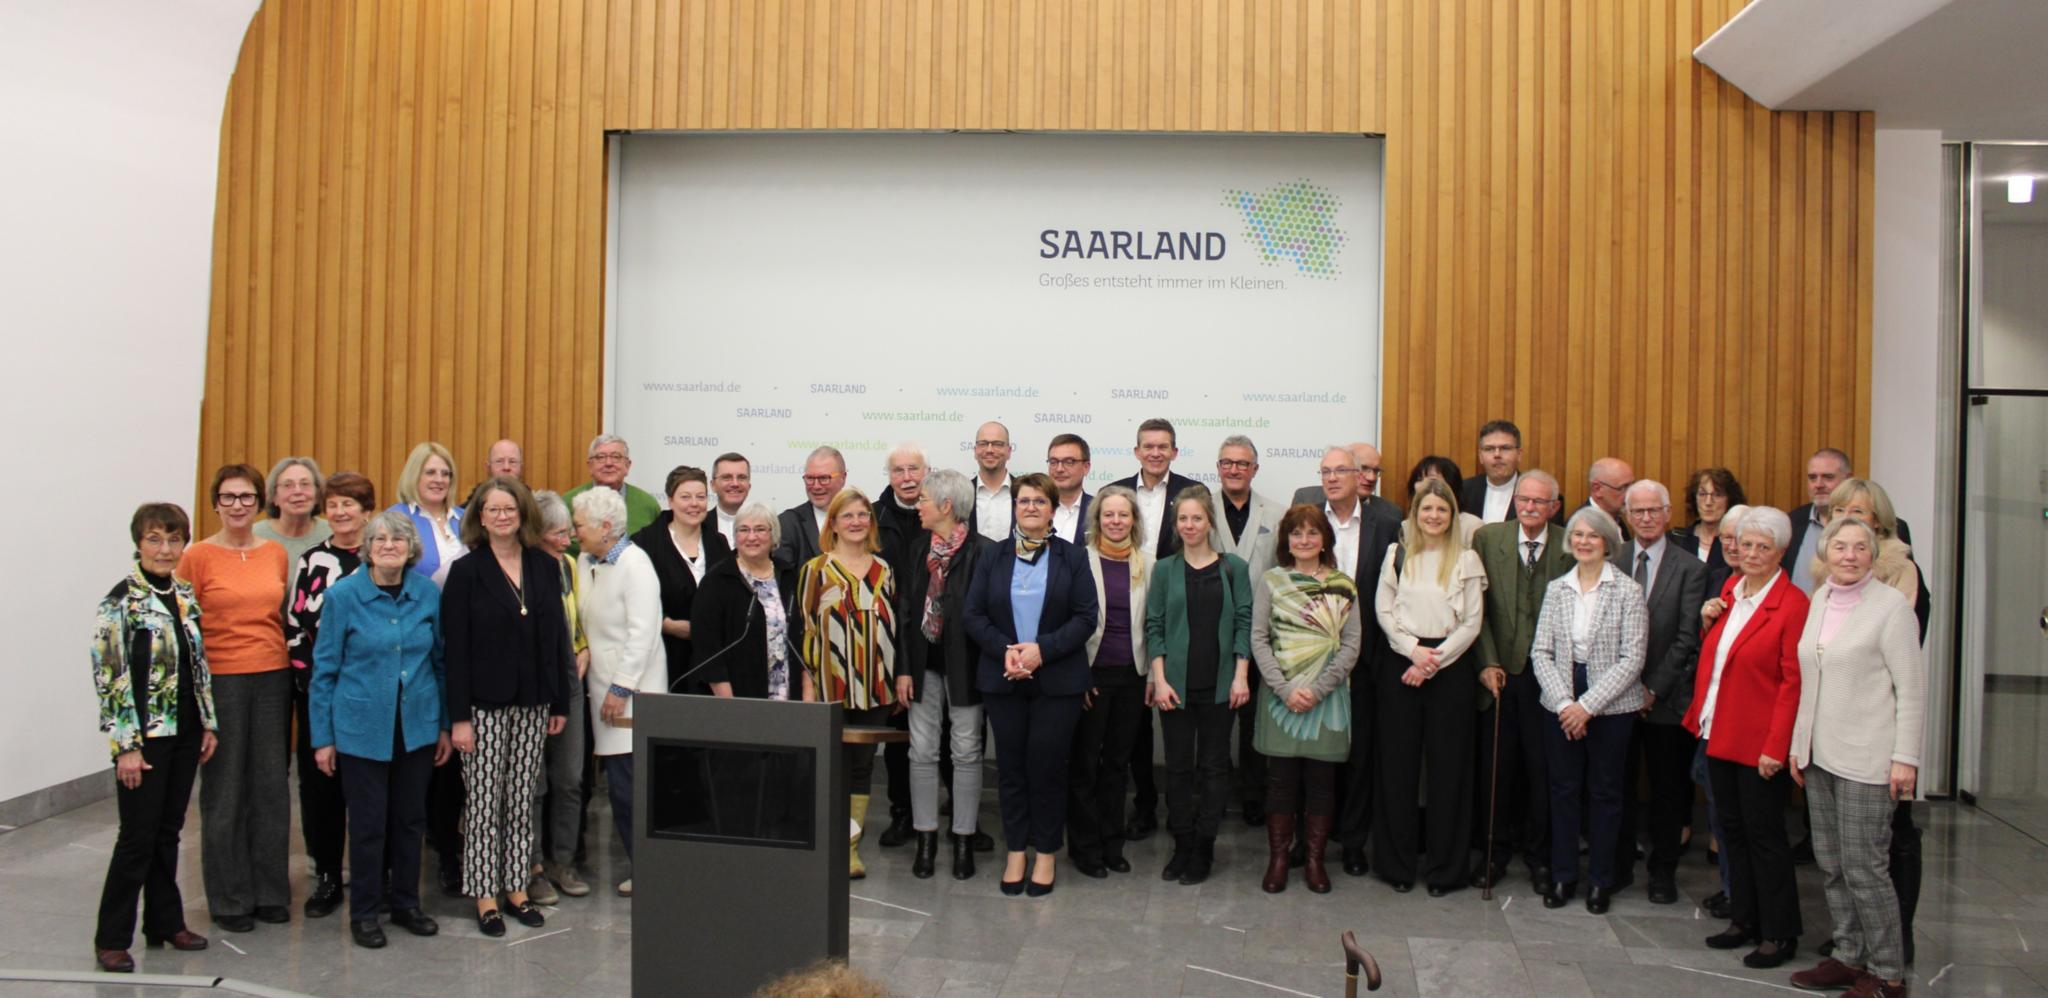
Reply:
x=1031, y=609
x=743, y=621
x=683, y=552
x=509, y=666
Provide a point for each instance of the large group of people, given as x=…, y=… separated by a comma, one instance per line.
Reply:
x=1440, y=684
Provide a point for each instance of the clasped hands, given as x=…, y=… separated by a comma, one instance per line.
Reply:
x=1021, y=660
x=1427, y=662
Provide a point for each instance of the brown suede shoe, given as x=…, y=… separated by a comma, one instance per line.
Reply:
x=1871, y=987
x=115, y=961
x=1828, y=975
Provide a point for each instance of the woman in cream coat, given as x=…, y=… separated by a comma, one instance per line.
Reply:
x=620, y=601
x=1115, y=703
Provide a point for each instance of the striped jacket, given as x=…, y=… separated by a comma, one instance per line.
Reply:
x=1620, y=635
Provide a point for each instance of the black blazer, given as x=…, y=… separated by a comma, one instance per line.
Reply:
x=1718, y=568
x=1375, y=535
x=960, y=656
x=729, y=632
x=897, y=530
x=491, y=652
x=1080, y=520
x=1473, y=501
x=678, y=586
x=1169, y=538
x=799, y=542
x=1063, y=628
x=1380, y=506
x=1673, y=603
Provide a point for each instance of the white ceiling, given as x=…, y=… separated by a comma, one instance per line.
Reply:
x=1973, y=69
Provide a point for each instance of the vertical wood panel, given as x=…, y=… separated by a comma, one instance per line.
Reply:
x=409, y=230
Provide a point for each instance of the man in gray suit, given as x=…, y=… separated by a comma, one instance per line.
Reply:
x=1366, y=458
x=1246, y=524
x=1674, y=584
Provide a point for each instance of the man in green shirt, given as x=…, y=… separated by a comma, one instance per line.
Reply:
x=609, y=459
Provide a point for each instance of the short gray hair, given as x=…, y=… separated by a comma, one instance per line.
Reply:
x=554, y=513
x=603, y=504
x=1238, y=440
x=1768, y=520
x=889, y=460
x=285, y=464
x=827, y=451
x=1602, y=524
x=607, y=438
x=1546, y=478
x=946, y=486
x=1835, y=526
x=397, y=524
x=763, y=512
x=1663, y=494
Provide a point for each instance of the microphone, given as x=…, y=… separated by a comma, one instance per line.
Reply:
x=734, y=643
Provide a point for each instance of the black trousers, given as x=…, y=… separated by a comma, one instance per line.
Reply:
x=1356, y=779
x=1587, y=773
x=1521, y=804
x=1297, y=784
x=323, y=808
x=1667, y=763
x=387, y=815
x=1197, y=735
x=860, y=759
x=145, y=858
x=445, y=800
x=1761, y=891
x=1144, y=782
x=1434, y=722
x=1099, y=766
x=1034, y=736
x=1251, y=766
x=1905, y=866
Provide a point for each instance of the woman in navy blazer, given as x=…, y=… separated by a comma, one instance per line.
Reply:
x=1031, y=609
x=375, y=713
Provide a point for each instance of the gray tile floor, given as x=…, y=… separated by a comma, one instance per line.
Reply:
x=1983, y=915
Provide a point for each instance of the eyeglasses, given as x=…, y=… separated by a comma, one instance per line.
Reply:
x=1034, y=502
x=1336, y=472
x=1623, y=487
x=236, y=499
x=501, y=511
x=608, y=456
x=1229, y=464
x=1710, y=494
x=1499, y=448
x=752, y=528
x=906, y=469
x=436, y=473
x=993, y=444
x=819, y=479
x=1647, y=512
x=1369, y=469
x=1065, y=462
x=731, y=479
x=1533, y=501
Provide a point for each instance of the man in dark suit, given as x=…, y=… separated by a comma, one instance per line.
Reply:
x=898, y=529
x=1490, y=495
x=1067, y=460
x=1827, y=468
x=1674, y=585
x=1521, y=557
x=1362, y=541
x=1607, y=483
x=1157, y=486
x=1366, y=458
x=824, y=476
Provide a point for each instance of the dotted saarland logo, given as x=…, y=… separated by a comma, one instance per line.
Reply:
x=1295, y=223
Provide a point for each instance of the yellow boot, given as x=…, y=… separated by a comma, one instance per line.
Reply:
x=859, y=810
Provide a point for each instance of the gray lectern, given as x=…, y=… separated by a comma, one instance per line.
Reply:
x=739, y=844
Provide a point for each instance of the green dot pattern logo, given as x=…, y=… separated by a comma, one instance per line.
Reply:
x=1293, y=225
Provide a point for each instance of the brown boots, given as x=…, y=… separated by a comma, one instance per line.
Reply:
x=1279, y=839
x=1312, y=872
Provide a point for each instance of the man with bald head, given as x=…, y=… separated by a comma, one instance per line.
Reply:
x=506, y=458
x=1366, y=465
x=1607, y=483
x=992, y=493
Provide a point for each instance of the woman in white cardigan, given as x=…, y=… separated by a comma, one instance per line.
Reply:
x=1114, y=706
x=1856, y=750
x=620, y=602
x=1588, y=657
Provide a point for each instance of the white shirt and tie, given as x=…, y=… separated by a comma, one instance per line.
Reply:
x=1649, y=558
x=1532, y=547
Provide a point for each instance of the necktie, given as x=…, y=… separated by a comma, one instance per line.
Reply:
x=1529, y=563
x=1643, y=569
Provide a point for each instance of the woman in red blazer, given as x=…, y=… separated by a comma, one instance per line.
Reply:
x=1745, y=697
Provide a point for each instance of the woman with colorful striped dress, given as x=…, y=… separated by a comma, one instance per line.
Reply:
x=845, y=600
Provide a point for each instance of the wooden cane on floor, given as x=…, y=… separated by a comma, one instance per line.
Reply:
x=1356, y=960
x=1492, y=797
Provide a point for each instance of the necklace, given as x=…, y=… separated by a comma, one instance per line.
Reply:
x=518, y=591
x=165, y=591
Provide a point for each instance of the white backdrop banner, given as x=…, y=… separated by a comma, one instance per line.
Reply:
x=777, y=292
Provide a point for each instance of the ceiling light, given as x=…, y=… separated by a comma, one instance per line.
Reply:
x=2019, y=190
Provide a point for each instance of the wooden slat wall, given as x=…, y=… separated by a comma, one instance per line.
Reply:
x=409, y=235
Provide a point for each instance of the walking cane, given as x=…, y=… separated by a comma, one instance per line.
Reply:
x=1356, y=959
x=1492, y=798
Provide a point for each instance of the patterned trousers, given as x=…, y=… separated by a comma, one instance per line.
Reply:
x=1852, y=833
x=497, y=818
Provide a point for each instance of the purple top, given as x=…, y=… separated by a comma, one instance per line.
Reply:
x=1116, y=616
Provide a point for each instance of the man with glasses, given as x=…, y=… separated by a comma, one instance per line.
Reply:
x=732, y=480
x=992, y=493
x=1246, y=524
x=1607, y=485
x=1362, y=540
x=1674, y=585
x=1365, y=467
x=1490, y=495
x=824, y=477
x=1067, y=460
x=1827, y=468
x=609, y=459
x=1521, y=557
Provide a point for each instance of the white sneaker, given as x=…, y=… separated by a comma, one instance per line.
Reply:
x=626, y=887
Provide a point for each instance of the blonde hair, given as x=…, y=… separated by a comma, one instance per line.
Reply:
x=828, y=535
x=1094, y=529
x=825, y=979
x=1874, y=496
x=416, y=463
x=1414, y=541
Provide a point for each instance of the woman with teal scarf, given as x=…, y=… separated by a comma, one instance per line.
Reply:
x=1198, y=623
x=1305, y=638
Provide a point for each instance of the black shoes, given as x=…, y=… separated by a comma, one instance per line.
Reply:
x=1539, y=878
x=1143, y=824
x=235, y=923
x=274, y=914
x=1354, y=861
x=490, y=923
x=1183, y=854
x=1732, y=937
x=1439, y=890
x=1802, y=853
x=529, y=915
x=1117, y=864
x=1489, y=875
x=1717, y=905
x=982, y=842
x=1771, y=953
x=1598, y=898
x=1254, y=813
x=1402, y=886
x=1201, y=864
x=326, y=896
x=1663, y=892
x=924, y=863
x=451, y=883
x=898, y=832
x=963, y=856
x=184, y=940
x=415, y=921
x=1090, y=868
x=1557, y=895
x=366, y=934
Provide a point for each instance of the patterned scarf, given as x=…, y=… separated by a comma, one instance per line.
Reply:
x=1027, y=548
x=941, y=556
x=1308, y=626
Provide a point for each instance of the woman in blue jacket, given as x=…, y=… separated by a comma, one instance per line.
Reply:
x=1031, y=610
x=377, y=718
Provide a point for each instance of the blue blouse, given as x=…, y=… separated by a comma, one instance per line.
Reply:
x=1027, y=596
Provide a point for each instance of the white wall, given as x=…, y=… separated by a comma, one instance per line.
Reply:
x=112, y=115
x=1912, y=374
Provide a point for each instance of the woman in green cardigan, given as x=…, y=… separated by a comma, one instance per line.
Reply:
x=1198, y=623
